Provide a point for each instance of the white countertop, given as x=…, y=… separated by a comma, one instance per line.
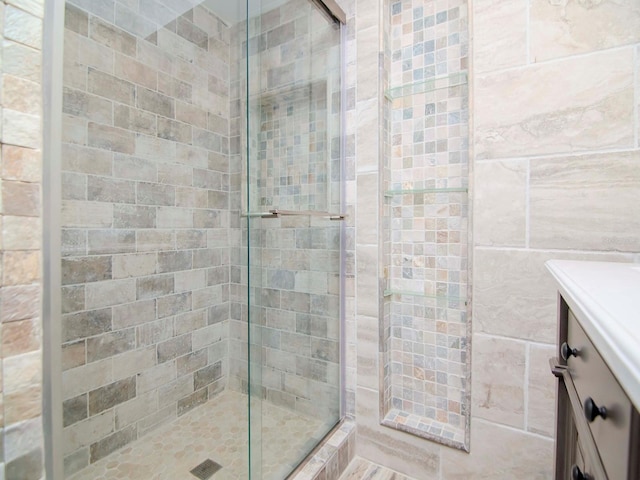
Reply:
x=605, y=297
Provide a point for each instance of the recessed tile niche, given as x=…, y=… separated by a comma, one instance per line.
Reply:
x=425, y=329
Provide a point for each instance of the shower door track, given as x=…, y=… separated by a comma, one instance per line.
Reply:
x=334, y=9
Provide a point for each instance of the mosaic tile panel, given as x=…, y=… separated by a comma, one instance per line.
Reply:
x=425, y=328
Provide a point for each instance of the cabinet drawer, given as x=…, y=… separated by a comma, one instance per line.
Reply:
x=595, y=383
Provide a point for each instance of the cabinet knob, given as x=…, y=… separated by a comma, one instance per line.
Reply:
x=593, y=411
x=566, y=351
x=576, y=473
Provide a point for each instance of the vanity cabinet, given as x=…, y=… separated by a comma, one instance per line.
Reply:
x=597, y=420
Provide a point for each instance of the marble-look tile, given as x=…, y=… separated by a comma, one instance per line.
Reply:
x=367, y=220
x=396, y=450
x=361, y=469
x=500, y=209
x=498, y=380
x=585, y=202
x=499, y=453
x=514, y=294
x=576, y=104
x=542, y=391
x=499, y=26
x=560, y=29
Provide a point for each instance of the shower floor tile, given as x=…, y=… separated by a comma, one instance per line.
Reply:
x=216, y=431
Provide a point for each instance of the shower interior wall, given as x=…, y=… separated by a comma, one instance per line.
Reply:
x=146, y=220
x=154, y=253
x=294, y=132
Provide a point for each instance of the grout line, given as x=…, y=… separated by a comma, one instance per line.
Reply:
x=585, y=153
x=526, y=386
x=527, y=206
x=522, y=341
x=636, y=95
x=551, y=61
x=528, y=30
x=513, y=429
x=552, y=250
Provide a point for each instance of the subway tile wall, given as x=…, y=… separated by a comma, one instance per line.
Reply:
x=294, y=164
x=145, y=266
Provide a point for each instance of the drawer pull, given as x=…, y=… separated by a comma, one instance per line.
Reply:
x=566, y=351
x=593, y=411
x=576, y=473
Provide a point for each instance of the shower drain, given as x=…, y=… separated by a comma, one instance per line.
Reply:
x=206, y=469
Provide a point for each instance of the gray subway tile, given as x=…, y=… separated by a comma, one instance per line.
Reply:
x=110, y=344
x=112, y=443
x=156, y=194
x=86, y=324
x=174, y=348
x=174, y=304
x=110, y=138
x=156, y=102
x=74, y=409
x=155, y=286
x=207, y=375
x=106, y=85
x=192, y=401
x=85, y=269
x=133, y=216
x=114, y=38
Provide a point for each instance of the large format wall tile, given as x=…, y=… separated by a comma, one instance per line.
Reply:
x=559, y=29
x=500, y=210
x=500, y=26
x=542, y=390
x=514, y=295
x=498, y=392
x=587, y=202
x=572, y=105
x=499, y=453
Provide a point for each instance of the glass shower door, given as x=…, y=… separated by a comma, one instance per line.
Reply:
x=293, y=217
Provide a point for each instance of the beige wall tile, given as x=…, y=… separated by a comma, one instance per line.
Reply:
x=560, y=29
x=21, y=95
x=20, y=267
x=498, y=380
x=515, y=296
x=368, y=335
x=542, y=390
x=499, y=453
x=500, y=28
x=500, y=209
x=587, y=202
x=22, y=164
x=367, y=64
x=573, y=105
x=21, y=129
x=367, y=281
x=404, y=453
x=367, y=219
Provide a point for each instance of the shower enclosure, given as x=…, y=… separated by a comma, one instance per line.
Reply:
x=195, y=238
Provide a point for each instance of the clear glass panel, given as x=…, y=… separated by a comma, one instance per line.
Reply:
x=193, y=328
x=293, y=167
x=153, y=279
